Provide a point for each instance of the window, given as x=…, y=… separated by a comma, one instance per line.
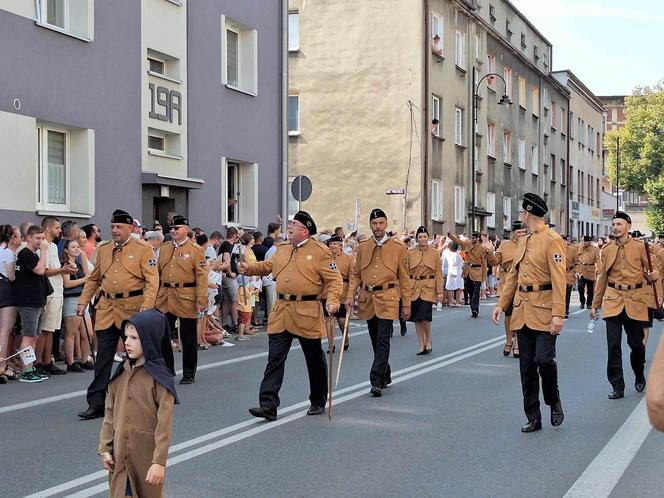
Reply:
x=563, y=172
x=458, y=126
x=293, y=204
x=491, y=68
x=459, y=204
x=71, y=17
x=492, y=12
x=522, y=91
x=156, y=143
x=55, y=172
x=163, y=65
x=239, y=190
x=491, y=207
x=156, y=66
x=508, y=28
x=507, y=147
x=491, y=139
x=571, y=129
x=436, y=30
x=435, y=115
x=436, y=201
x=523, y=41
x=535, y=99
x=534, y=159
x=293, y=31
x=563, y=121
x=477, y=46
x=239, y=53
x=460, y=47
x=507, y=213
x=535, y=53
x=553, y=168
x=554, y=115
x=293, y=115
x=507, y=74
x=521, y=154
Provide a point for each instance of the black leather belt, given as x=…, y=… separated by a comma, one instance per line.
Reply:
x=121, y=295
x=175, y=285
x=534, y=288
x=588, y=264
x=425, y=277
x=625, y=287
x=373, y=288
x=345, y=280
x=475, y=266
x=296, y=297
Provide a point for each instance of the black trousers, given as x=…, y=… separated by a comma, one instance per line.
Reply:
x=380, y=331
x=188, y=337
x=467, y=290
x=402, y=322
x=584, y=284
x=475, y=296
x=637, y=357
x=568, y=297
x=537, y=360
x=107, y=343
x=278, y=347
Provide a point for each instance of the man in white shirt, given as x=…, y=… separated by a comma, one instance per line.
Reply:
x=52, y=317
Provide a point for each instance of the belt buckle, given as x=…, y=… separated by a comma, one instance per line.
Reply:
x=287, y=297
x=524, y=288
x=370, y=288
x=624, y=287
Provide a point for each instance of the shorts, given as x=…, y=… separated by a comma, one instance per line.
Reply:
x=52, y=319
x=244, y=316
x=31, y=320
x=229, y=290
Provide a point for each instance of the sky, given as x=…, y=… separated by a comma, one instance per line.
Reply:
x=611, y=45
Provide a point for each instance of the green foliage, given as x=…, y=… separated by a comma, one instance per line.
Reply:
x=641, y=150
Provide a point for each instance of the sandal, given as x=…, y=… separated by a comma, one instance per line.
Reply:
x=507, y=349
x=202, y=347
x=10, y=374
x=515, y=351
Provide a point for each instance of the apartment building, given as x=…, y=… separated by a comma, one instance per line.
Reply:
x=586, y=167
x=384, y=124
x=151, y=106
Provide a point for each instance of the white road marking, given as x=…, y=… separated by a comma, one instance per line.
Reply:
x=608, y=467
x=578, y=312
x=259, y=426
x=492, y=365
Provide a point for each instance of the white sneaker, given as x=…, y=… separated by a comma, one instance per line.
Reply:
x=242, y=338
x=227, y=344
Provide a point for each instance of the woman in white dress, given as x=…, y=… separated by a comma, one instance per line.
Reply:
x=453, y=269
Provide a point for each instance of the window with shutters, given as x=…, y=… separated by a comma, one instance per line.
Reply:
x=458, y=126
x=239, y=54
x=491, y=207
x=239, y=191
x=459, y=204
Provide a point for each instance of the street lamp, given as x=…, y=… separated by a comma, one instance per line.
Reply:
x=504, y=100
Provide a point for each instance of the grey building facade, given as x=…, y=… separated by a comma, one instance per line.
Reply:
x=151, y=106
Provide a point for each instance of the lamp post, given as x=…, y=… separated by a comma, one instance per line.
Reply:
x=504, y=100
x=617, y=174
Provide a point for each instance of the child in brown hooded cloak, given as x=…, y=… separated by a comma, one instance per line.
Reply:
x=137, y=427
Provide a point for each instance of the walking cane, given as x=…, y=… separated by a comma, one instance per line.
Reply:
x=330, y=352
x=344, y=338
x=87, y=333
x=654, y=284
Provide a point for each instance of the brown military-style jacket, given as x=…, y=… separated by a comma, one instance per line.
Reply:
x=572, y=255
x=659, y=264
x=117, y=271
x=383, y=266
x=179, y=266
x=540, y=260
x=623, y=269
x=478, y=258
x=305, y=270
x=426, y=274
x=344, y=263
x=587, y=262
x=504, y=255
x=136, y=430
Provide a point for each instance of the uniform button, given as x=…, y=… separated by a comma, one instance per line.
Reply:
x=290, y=269
x=117, y=260
x=525, y=274
x=376, y=266
x=526, y=299
x=170, y=274
x=116, y=282
x=116, y=271
x=286, y=280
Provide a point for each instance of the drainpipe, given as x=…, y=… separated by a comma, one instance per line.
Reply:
x=569, y=178
x=284, y=114
x=426, y=131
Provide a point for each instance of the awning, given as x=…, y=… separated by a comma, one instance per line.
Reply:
x=171, y=181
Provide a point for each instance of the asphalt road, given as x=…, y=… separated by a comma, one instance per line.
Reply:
x=448, y=426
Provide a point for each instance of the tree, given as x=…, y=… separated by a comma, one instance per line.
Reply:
x=641, y=150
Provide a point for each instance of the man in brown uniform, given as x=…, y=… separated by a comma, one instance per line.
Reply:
x=586, y=269
x=126, y=272
x=303, y=269
x=572, y=254
x=344, y=263
x=478, y=259
x=183, y=292
x=381, y=269
x=504, y=258
x=536, y=288
x=624, y=279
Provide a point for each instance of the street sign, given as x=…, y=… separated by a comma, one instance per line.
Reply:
x=395, y=191
x=301, y=188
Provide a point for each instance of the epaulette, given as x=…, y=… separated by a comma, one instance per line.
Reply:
x=142, y=242
x=104, y=243
x=196, y=245
x=320, y=245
